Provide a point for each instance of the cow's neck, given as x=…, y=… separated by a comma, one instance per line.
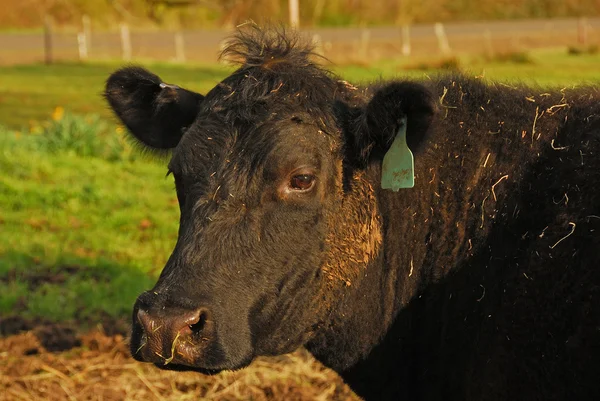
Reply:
x=395, y=321
x=371, y=302
x=423, y=240
x=360, y=321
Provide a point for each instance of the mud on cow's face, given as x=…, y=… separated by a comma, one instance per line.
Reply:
x=277, y=214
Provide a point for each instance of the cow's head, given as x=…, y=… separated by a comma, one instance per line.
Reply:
x=279, y=216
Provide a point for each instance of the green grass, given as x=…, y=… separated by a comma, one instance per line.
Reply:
x=30, y=92
x=553, y=67
x=93, y=212
x=85, y=222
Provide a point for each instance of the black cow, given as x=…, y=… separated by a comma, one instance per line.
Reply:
x=482, y=282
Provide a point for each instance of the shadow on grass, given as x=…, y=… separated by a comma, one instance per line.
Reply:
x=81, y=293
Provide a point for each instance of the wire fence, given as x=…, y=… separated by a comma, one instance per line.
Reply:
x=338, y=44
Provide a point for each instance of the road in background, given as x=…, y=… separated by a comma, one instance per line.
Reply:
x=338, y=44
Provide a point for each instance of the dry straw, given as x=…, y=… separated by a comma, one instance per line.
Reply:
x=101, y=369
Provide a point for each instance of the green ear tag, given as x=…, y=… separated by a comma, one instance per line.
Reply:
x=398, y=167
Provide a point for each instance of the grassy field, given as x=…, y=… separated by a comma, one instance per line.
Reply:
x=29, y=93
x=86, y=223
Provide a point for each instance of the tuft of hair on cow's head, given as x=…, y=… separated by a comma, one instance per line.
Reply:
x=279, y=212
x=272, y=49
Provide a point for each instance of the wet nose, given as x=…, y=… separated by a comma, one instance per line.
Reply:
x=173, y=335
x=175, y=321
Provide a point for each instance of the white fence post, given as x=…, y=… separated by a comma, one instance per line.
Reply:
x=440, y=33
x=489, y=45
x=406, y=40
x=179, y=47
x=87, y=31
x=125, y=42
x=82, y=46
x=365, y=37
x=582, y=31
x=318, y=43
x=294, y=14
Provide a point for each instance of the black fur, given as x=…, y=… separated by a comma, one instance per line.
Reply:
x=480, y=283
x=382, y=115
x=157, y=114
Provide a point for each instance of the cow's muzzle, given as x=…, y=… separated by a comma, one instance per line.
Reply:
x=171, y=335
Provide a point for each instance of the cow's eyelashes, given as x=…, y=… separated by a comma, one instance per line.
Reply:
x=302, y=182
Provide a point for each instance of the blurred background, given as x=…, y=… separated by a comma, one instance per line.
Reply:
x=346, y=30
x=87, y=222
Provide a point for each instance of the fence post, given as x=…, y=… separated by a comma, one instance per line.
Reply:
x=48, y=57
x=406, y=40
x=87, y=31
x=440, y=33
x=125, y=42
x=582, y=31
x=179, y=47
x=489, y=46
x=318, y=43
x=82, y=46
x=294, y=13
x=365, y=37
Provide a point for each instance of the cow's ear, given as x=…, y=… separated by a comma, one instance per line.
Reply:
x=155, y=113
x=377, y=123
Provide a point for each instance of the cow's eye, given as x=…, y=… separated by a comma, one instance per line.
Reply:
x=302, y=182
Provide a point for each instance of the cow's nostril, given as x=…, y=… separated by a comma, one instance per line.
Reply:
x=145, y=320
x=199, y=325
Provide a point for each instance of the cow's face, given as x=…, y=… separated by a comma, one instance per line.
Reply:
x=279, y=218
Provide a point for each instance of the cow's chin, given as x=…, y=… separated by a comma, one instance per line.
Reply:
x=287, y=348
x=205, y=371
x=184, y=368
x=186, y=358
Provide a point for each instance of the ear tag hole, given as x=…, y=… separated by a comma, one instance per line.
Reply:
x=398, y=167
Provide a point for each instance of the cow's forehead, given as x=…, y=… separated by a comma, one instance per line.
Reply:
x=212, y=144
x=257, y=109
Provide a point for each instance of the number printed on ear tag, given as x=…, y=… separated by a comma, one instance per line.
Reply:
x=398, y=167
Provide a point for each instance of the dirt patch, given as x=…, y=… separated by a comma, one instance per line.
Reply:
x=37, y=276
x=46, y=329
x=57, y=338
x=14, y=325
x=99, y=367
